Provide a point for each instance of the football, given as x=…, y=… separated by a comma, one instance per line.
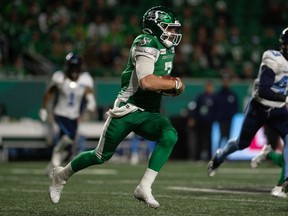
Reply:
x=169, y=92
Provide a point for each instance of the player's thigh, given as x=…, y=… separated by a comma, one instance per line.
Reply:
x=255, y=117
x=153, y=126
x=115, y=130
x=66, y=126
x=279, y=121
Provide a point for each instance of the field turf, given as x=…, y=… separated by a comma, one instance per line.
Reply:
x=182, y=188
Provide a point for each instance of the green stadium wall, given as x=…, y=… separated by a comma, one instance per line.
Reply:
x=23, y=98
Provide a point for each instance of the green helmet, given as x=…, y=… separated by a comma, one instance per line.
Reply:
x=162, y=23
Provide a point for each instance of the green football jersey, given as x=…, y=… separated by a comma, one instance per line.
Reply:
x=145, y=45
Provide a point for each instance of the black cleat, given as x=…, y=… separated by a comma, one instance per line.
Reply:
x=213, y=164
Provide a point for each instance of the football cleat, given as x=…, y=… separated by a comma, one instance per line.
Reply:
x=277, y=192
x=55, y=189
x=213, y=164
x=145, y=195
x=257, y=160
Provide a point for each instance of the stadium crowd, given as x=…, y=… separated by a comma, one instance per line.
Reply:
x=218, y=36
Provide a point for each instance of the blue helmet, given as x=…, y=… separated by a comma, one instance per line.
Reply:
x=73, y=66
x=283, y=39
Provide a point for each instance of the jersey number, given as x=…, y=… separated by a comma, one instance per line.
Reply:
x=71, y=99
x=168, y=67
x=281, y=85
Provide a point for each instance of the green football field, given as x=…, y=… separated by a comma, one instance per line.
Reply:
x=182, y=188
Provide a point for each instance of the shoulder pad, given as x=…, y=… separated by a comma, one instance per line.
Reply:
x=146, y=40
x=271, y=59
x=58, y=77
x=146, y=45
x=86, y=79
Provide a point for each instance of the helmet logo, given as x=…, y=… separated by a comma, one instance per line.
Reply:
x=163, y=16
x=160, y=15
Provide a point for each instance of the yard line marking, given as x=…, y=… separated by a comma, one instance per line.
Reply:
x=250, y=170
x=27, y=171
x=208, y=190
x=124, y=181
x=22, y=190
x=222, y=199
x=98, y=172
x=224, y=170
x=21, y=171
x=121, y=194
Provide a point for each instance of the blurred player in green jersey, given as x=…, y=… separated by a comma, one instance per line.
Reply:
x=268, y=153
x=137, y=106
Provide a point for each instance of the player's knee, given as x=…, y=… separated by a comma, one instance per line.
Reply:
x=102, y=157
x=243, y=144
x=67, y=140
x=99, y=158
x=170, y=137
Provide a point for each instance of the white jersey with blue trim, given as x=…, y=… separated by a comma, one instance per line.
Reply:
x=70, y=94
x=275, y=61
x=86, y=79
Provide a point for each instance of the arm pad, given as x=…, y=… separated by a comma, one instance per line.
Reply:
x=144, y=66
x=266, y=82
x=43, y=114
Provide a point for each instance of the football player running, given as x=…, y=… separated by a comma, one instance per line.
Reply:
x=267, y=106
x=69, y=88
x=268, y=153
x=137, y=106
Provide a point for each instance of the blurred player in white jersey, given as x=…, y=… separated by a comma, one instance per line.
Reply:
x=267, y=106
x=70, y=88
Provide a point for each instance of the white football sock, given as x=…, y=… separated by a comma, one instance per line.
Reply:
x=67, y=172
x=148, y=178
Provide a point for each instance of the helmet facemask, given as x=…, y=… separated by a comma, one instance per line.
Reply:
x=73, y=72
x=171, y=33
x=284, y=50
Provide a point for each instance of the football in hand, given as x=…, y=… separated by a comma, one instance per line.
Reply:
x=170, y=92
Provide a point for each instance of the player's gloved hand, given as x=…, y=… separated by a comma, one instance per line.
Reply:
x=179, y=86
x=43, y=115
x=91, y=103
x=91, y=107
x=177, y=90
